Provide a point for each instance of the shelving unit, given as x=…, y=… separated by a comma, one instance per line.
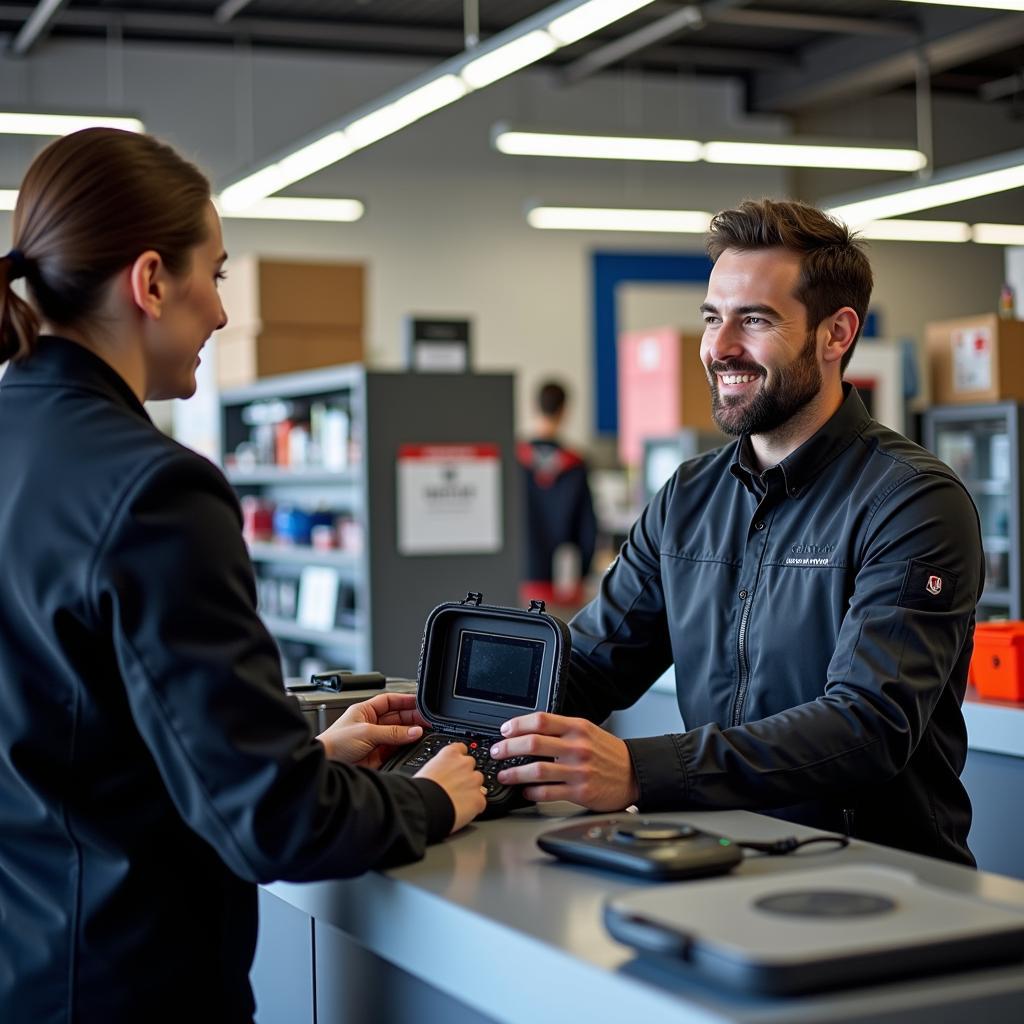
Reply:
x=982, y=444
x=383, y=595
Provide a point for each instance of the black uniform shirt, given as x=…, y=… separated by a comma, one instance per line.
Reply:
x=820, y=623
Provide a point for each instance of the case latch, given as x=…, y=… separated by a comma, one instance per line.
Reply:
x=474, y=597
x=537, y=606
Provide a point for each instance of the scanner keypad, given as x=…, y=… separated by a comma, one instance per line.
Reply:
x=478, y=747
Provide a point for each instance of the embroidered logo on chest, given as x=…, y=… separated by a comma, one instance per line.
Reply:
x=810, y=554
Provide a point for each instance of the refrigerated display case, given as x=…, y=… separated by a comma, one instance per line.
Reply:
x=981, y=443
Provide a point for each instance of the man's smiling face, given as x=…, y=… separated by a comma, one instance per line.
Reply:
x=759, y=352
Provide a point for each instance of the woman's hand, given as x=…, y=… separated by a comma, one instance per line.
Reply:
x=368, y=733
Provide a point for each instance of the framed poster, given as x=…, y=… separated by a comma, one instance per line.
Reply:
x=449, y=499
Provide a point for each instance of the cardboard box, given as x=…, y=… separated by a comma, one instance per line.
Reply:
x=285, y=316
x=259, y=292
x=976, y=359
x=662, y=387
x=243, y=356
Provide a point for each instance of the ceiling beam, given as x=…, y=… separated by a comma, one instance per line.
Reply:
x=799, y=21
x=633, y=42
x=156, y=24
x=37, y=26
x=1002, y=87
x=683, y=19
x=728, y=58
x=228, y=9
x=837, y=70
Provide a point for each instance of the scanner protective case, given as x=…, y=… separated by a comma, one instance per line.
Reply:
x=479, y=666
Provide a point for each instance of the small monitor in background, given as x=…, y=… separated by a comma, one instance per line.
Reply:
x=662, y=455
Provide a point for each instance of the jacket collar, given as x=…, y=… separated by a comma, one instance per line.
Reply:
x=801, y=467
x=64, y=363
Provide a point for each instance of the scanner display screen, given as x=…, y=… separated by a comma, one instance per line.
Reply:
x=499, y=669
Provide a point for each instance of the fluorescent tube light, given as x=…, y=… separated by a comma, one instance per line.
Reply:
x=991, y=5
x=507, y=52
x=315, y=157
x=597, y=147
x=394, y=116
x=997, y=234
x=578, y=218
x=788, y=154
x=916, y=230
x=255, y=187
x=506, y=59
x=926, y=197
x=12, y=123
x=590, y=18
x=775, y=154
x=343, y=211
x=8, y=197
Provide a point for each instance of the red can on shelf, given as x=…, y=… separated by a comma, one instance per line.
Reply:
x=997, y=665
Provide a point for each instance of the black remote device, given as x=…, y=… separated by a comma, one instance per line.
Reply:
x=648, y=847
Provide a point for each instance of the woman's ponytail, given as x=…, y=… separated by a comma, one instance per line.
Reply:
x=19, y=325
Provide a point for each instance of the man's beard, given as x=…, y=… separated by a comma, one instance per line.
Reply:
x=792, y=387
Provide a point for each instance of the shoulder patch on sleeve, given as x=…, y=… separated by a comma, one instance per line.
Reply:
x=927, y=587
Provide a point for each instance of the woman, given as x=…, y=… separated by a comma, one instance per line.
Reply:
x=152, y=769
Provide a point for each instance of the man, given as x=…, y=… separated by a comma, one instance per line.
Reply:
x=814, y=583
x=559, y=508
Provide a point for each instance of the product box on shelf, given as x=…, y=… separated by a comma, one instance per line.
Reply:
x=285, y=316
x=976, y=359
x=662, y=387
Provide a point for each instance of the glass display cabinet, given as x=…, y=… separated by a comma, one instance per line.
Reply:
x=981, y=443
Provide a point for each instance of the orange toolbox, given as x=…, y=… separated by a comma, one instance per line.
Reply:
x=997, y=665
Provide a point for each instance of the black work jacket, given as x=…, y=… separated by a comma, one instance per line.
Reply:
x=151, y=768
x=820, y=621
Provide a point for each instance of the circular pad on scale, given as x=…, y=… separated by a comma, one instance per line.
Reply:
x=825, y=903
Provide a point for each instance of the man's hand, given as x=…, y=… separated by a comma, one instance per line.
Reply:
x=367, y=734
x=591, y=767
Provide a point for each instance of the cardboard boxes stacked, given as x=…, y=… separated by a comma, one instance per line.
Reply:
x=662, y=387
x=976, y=359
x=285, y=316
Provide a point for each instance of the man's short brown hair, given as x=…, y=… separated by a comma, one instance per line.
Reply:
x=834, y=271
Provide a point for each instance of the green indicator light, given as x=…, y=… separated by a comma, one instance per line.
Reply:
x=724, y=842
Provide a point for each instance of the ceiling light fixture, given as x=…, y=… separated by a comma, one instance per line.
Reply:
x=990, y=5
x=395, y=116
x=341, y=211
x=916, y=231
x=951, y=185
x=776, y=154
x=509, y=58
x=589, y=18
x=594, y=147
x=503, y=54
x=796, y=154
x=581, y=218
x=23, y=123
x=696, y=222
x=998, y=234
